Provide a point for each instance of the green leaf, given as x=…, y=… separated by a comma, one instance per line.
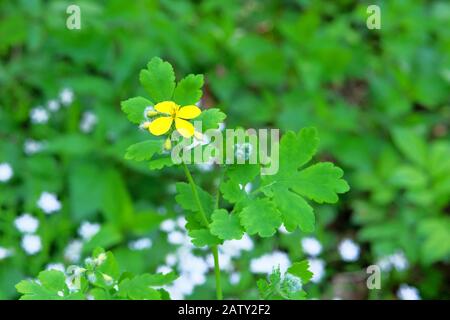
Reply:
x=411, y=144
x=211, y=118
x=134, y=108
x=189, y=90
x=185, y=198
x=226, y=226
x=158, y=80
x=280, y=288
x=260, y=216
x=144, y=150
x=138, y=288
x=51, y=286
x=232, y=192
x=320, y=182
x=243, y=173
x=301, y=270
x=203, y=237
x=294, y=210
x=159, y=163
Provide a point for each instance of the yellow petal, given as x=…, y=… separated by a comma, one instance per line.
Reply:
x=185, y=128
x=160, y=126
x=167, y=107
x=189, y=112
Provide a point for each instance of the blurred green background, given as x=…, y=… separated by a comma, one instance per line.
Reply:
x=379, y=98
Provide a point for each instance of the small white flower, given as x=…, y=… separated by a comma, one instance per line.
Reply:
x=140, y=244
x=53, y=105
x=39, y=115
x=31, y=243
x=49, y=203
x=56, y=266
x=176, y=237
x=181, y=222
x=294, y=283
x=399, y=261
x=163, y=269
x=171, y=259
x=406, y=292
x=168, y=225
x=6, y=172
x=234, y=248
x=32, y=146
x=88, y=122
x=73, y=250
x=311, y=246
x=26, y=223
x=87, y=230
x=4, y=253
x=267, y=262
x=235, y=277
x=221, y=126
x=349, y=250
x=66, y=96
x=61, y=293
x=317, y=267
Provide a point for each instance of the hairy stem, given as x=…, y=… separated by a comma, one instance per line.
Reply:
x=214, y=249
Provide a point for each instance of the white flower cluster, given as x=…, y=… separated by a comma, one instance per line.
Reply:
x=88, y=121
x=86, y=231
x=311, y=246
x=28, y=225
x=31, y=146
x=6, y=172
x=41, y=115
x=48, y=202
x=406, y=292
x=349, y=250
x=5, y=253
x=266, y=263
x=192, y=268
x=140, y=244
x=396, y=260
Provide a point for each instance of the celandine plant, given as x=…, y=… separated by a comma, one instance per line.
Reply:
x=281, y=197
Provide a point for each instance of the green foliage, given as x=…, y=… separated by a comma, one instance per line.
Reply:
x=287, y=286
x=378, y=98
x=99, y=279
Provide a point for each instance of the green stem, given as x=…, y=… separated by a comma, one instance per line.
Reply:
x=214, y=249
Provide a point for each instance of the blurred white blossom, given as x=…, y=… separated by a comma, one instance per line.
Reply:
x=26, y=223
x=406, y=292
x=140, y=244
x=49, y=203
x=73, y=250
x=66, y=96
x=266, y=263
x=348, y=250
x=39, y=115
x=53, y=105
x=31, y=243
x=4, y=253
x=88, y=121
x=317, y=267
x=168, y=225
x=32, y=146
x=87, y=230
x=56, y=266
x=6, y=172
x=311, y=246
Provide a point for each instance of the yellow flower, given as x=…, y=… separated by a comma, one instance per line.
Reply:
x=174, y=112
